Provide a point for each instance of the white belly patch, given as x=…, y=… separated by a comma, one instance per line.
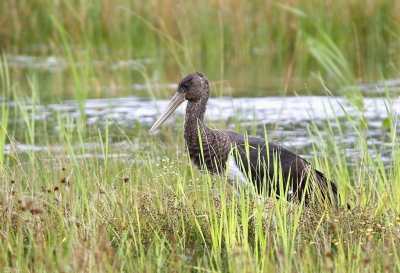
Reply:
x=236, y=177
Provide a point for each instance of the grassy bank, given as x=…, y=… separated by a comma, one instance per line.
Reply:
x=83, y=203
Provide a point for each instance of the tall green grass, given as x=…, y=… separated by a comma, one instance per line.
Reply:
x=266, y=39
x=6, y=88
x=84, y=207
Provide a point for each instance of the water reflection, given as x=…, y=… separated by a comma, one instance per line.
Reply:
x=57, y=64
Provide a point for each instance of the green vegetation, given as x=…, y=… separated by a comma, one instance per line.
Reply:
x=85, y=208
x=93, y=208
x=254, y=45
x=81, y=203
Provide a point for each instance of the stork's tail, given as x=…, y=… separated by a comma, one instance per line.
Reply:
x=328, y=188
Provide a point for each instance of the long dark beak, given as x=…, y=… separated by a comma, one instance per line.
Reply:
x=176, y=100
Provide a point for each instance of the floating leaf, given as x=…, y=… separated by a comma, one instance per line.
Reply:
x=385, y=123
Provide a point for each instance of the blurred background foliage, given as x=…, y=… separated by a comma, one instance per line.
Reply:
x=260, y=47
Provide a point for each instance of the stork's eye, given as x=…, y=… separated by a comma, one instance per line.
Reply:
x=185, y=86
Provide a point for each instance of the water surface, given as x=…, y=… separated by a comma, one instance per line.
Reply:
x=287, y=120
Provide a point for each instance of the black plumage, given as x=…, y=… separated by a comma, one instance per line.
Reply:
x=269, y=166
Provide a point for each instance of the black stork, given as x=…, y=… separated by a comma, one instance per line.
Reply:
x=242, y=158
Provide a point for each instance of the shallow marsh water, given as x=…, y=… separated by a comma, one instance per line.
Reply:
x=287, y=120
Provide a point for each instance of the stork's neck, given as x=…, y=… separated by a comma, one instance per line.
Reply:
x=194, y=120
